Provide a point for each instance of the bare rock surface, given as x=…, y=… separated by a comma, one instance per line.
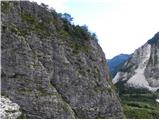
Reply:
x=8, y=109
x=142, y=69
x=51, y=68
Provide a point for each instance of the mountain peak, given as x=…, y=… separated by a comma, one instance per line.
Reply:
x=154, y=39
x=137, y=71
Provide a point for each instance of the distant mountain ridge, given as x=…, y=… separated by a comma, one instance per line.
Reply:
x=116, y=63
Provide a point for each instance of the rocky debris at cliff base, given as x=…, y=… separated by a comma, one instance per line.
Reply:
x=8, y=109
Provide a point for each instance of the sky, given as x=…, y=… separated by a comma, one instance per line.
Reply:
x=120, y=25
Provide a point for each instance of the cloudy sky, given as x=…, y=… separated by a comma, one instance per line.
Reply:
x=121, y=25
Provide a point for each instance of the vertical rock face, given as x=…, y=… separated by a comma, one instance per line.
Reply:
x=152, y=68
x=50, y=68
x=142, y=69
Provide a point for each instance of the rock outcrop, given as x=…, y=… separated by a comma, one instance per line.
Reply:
x=142, y=69
x=8, y=109
x=52, y=68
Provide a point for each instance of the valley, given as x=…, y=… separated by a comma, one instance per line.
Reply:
x=137, y=90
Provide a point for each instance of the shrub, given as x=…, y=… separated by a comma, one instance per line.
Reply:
x=5, y=6
x=26, y=17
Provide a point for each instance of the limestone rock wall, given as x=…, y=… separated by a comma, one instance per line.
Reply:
x=49, y=69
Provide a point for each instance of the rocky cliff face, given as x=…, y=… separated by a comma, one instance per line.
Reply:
x=51, y=68
x=142, y=69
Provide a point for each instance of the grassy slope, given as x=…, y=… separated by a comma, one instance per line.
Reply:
x=139, y=104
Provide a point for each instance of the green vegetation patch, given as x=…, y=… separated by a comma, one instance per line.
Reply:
x=138, y=103
x=100, y=90
x=140, y=113
x=79, y=47
x=17, y=30
x=28, y=18
x=34, y=25
x=5, y=6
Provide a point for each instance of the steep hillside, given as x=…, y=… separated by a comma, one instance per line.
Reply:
x=52, y=68
x=116, y=63
x=142, y=69
x=138, y=82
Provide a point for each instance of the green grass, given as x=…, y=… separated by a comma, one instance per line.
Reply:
x=138, y=103
x=140, y=113
x=140, y=106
